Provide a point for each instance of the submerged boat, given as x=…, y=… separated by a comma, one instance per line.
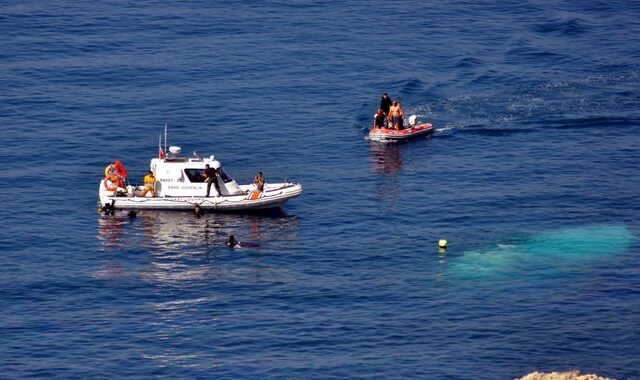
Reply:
x=405, y=133
x=180, y=185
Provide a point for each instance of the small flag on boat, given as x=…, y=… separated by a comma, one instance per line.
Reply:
x=161, y=154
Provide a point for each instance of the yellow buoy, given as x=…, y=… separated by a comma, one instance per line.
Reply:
x=442, y=243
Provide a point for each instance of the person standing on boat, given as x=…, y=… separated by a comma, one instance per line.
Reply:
x=259, y=182
x=149, y=184
x=385, y=104
x=211, y=175
x=379, y=119
x=396, y=115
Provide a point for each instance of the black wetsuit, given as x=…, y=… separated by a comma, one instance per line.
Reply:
x=385, y=104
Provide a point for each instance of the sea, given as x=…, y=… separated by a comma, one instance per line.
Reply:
x=532, y=176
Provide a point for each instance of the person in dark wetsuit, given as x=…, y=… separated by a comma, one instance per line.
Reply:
x=379, y=119
x=232, y=242
x=211, y=177
x=385, y=103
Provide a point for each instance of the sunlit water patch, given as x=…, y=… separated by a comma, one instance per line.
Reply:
x=544, y=254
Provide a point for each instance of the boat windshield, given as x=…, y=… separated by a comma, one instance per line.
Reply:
x=197, y=175
x=225, y=177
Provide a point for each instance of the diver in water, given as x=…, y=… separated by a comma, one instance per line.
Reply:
x=108, y=208
x=232, y=242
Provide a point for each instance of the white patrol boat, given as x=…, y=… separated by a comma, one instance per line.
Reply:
x=180, y=185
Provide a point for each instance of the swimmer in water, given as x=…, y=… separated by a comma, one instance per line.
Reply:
x=198, y=211
x=108, y=208
x=232, y=242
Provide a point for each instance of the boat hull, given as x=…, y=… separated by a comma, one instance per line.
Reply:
x=385, y=134
x=273, y=197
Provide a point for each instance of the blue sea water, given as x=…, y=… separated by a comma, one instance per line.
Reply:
x=532, y=175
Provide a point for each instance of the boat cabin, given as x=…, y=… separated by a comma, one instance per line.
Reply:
x=179, y=176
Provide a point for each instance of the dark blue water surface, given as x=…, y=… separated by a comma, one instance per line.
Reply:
x=532, y=176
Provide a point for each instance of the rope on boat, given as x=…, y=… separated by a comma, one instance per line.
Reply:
x=215, y=204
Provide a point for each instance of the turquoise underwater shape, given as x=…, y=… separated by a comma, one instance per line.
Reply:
x=549, y=249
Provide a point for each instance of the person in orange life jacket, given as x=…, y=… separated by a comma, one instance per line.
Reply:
x=111, y=173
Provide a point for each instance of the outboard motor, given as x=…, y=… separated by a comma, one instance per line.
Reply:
x=413, y=120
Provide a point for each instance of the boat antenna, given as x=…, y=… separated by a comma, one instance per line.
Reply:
x=160, y=146
x=165, y=137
